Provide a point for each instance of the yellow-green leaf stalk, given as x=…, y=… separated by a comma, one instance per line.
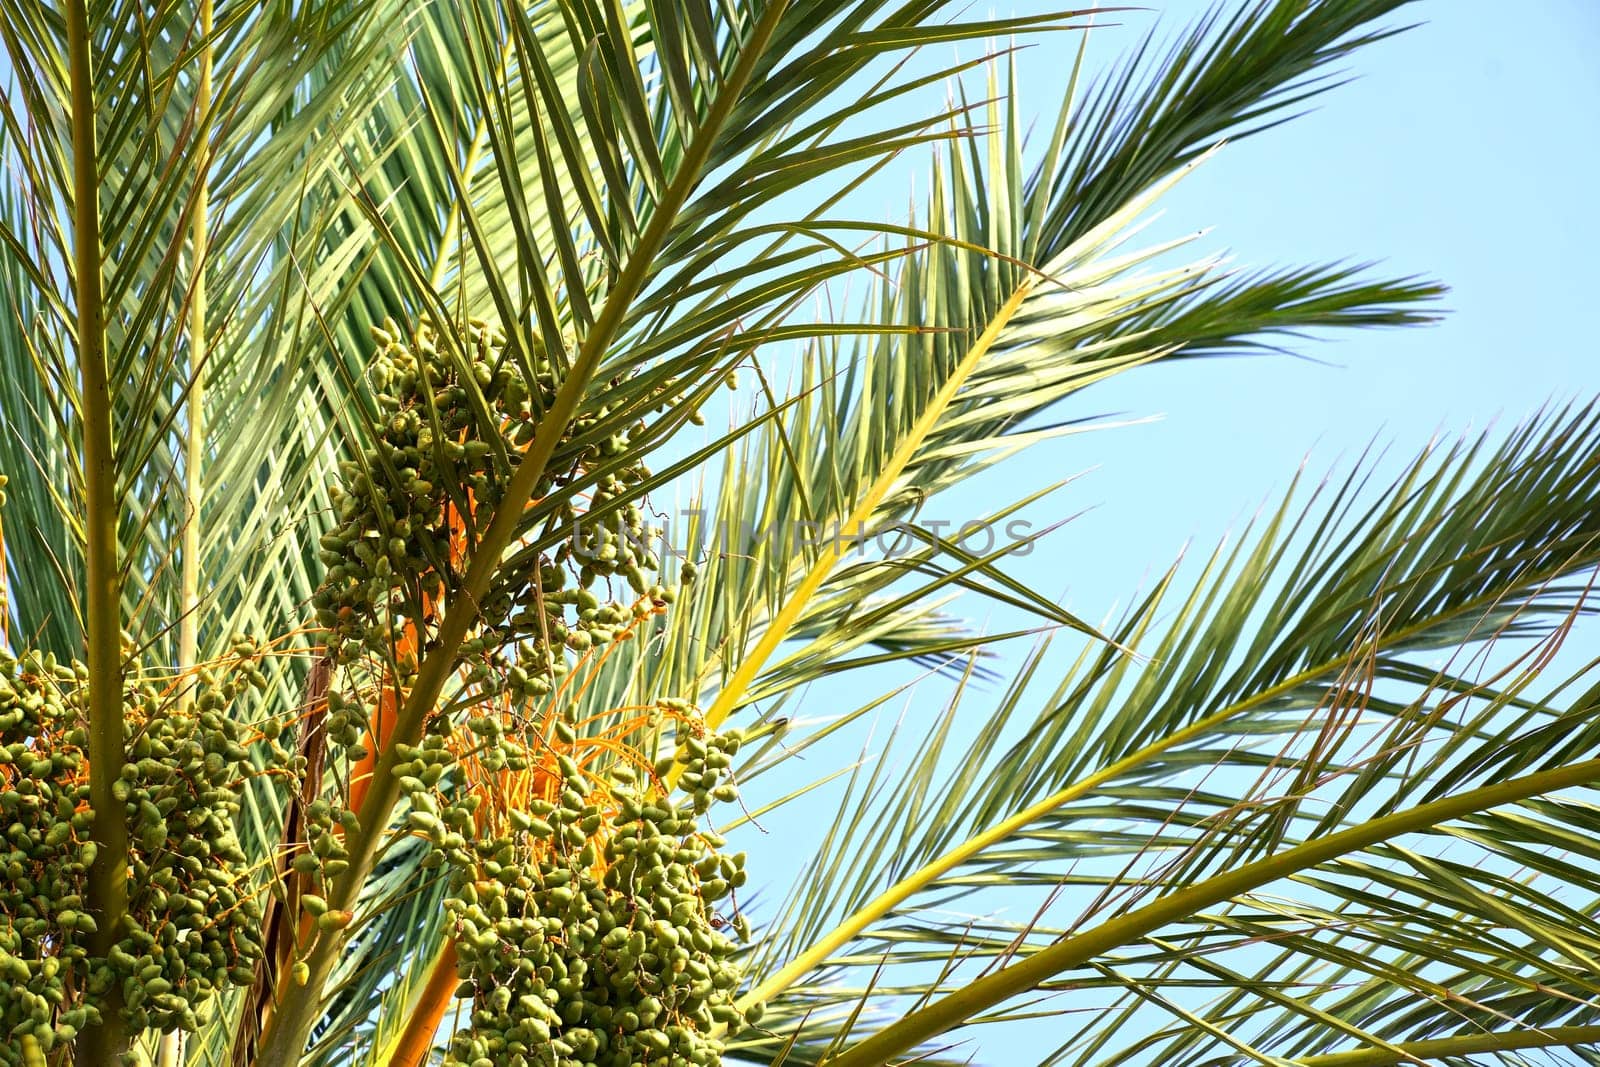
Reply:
x=170, y=1051
x=102, y=604
x=949, y=1012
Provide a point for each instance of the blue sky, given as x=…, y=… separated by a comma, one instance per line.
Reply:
x=1461, y=151
x=1464, y=151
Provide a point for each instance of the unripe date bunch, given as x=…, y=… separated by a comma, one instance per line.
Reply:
x=592, y=927
x=192, y=926
x=453, y=421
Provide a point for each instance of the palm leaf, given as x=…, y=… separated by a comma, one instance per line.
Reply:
x=1291, y=674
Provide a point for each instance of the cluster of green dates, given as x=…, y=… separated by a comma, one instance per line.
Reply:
x=324, y=856
x=587, y=928
x=46, y=856
x=454, y=416
x=192, y=926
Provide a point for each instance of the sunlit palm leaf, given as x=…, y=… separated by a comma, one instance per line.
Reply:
x=1286, y=702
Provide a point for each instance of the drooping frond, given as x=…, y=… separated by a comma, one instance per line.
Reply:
x=1172, y=813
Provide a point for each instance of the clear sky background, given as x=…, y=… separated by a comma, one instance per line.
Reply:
x=1464, y=150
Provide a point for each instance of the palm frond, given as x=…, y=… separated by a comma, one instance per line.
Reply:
x=1285, y=704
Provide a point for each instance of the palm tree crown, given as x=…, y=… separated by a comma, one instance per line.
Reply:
x=356, y=706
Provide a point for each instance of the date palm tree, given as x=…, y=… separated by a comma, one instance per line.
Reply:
x=1321, y=800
